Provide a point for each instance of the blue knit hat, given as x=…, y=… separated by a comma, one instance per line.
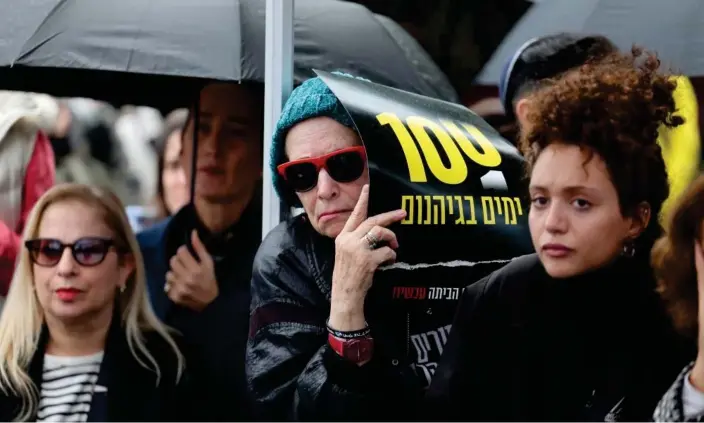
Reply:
x=311, y=99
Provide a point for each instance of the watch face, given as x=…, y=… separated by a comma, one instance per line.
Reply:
x=358, y=349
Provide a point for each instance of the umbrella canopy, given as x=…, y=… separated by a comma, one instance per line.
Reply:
x=671, y=28
x=151, y=51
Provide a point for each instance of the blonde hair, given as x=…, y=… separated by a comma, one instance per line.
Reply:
x=22, y=316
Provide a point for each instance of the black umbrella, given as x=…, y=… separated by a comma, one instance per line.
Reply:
x=151, y=51
x=672, y=28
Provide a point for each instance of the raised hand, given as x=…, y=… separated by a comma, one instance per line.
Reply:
x=358, y=253
x=191, y=281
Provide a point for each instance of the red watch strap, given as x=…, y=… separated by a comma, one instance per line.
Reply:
x=357, y=350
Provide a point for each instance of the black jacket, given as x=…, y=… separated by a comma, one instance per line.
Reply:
x=217, y=334
x=292, y=373
x=527, y=347
x=133, y=394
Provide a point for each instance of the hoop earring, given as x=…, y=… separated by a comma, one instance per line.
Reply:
x=629, y=249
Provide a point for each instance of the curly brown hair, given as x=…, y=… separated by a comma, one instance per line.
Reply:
x=673, y=258
x=612, y=107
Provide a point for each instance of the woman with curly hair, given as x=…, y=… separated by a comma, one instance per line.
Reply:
x=678, y=262
x=575, y=331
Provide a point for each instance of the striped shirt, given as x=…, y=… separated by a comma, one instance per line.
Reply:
x=68, y=385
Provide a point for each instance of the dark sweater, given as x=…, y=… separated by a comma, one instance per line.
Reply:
x=527, y=347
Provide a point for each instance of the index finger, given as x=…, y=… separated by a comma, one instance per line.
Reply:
x=360, y=211
x=383, y=219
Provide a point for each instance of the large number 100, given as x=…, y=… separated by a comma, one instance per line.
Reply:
x=457, y=171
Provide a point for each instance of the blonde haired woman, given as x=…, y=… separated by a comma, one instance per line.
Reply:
x=78, y=338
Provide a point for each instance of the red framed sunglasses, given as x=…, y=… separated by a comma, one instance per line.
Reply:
x=344, y=165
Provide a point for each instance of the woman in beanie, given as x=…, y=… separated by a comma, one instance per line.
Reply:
x=311, y=355
x=576, y=331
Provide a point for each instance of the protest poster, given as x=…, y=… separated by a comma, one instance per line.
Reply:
x=463, y=187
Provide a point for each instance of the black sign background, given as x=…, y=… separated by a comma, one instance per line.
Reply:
x=472, y=220
x=390, y=179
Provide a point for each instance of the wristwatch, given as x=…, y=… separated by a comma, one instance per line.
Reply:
x=357, y=350
x=356, y=346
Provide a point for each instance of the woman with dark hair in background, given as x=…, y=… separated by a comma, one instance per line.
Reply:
x=171, y=185
x=576, y=331
x=172, y=190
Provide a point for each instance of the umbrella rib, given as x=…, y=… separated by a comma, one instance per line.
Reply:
x=30, y=51
x=445, y=90
x=140, y=32
x=403, y=52
x=51, y=13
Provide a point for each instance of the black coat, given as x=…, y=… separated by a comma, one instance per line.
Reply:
x=293, y=373
x=527, y=347
x=217, y=335
x=133, y=394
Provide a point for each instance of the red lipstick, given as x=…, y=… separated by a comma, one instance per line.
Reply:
x=67, y=294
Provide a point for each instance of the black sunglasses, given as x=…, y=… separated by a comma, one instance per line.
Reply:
x=345, y=165
x=87, y=252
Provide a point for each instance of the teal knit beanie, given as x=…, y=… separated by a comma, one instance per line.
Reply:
x=311, y=99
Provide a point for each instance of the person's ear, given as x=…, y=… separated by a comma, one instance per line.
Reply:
x=640, y=220
x=521, y=111
x=127, y=268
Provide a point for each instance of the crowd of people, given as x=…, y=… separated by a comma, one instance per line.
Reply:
x=195, y=318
